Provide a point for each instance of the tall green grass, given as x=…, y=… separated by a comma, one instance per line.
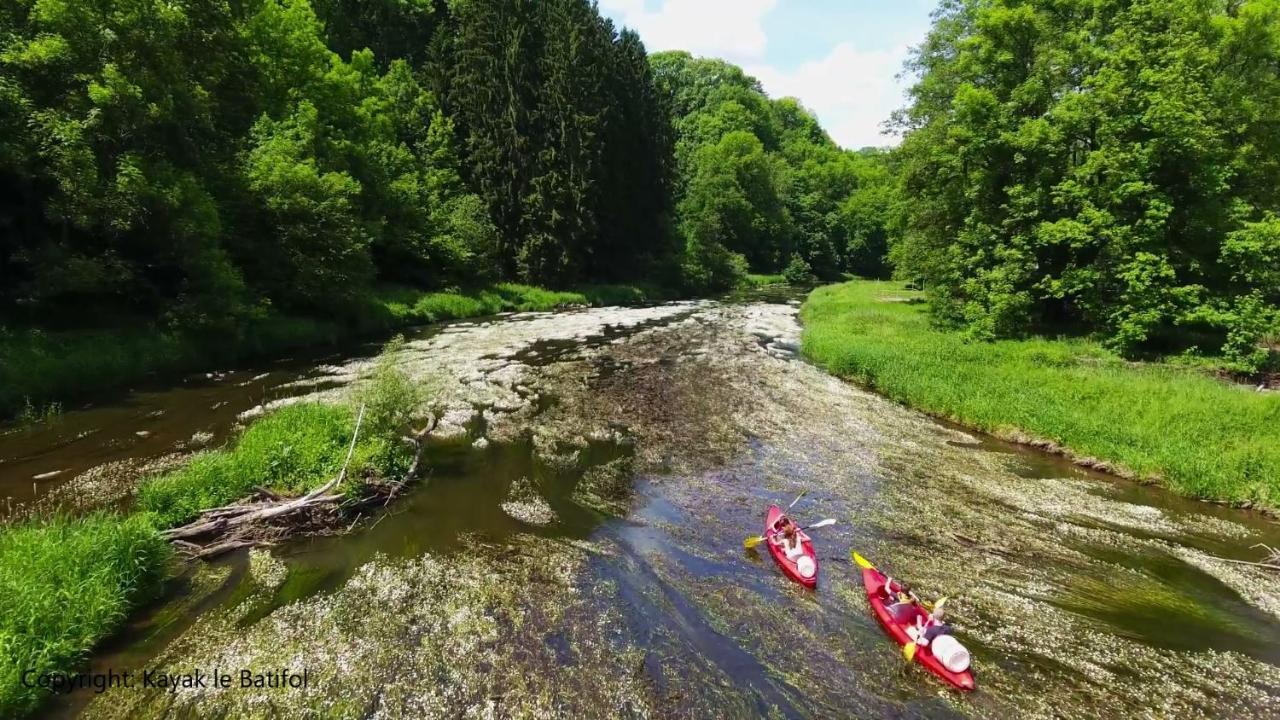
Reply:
x=290, y=451
x=1200, y=436
x=64, y=585
x=760, y=280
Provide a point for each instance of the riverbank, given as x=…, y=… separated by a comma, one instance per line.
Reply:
x=64, y=585
x=1193, y=433
x=586, y=560
x=68, y=583
x=41, y=371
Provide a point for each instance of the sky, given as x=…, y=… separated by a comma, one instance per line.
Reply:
x=841, y=58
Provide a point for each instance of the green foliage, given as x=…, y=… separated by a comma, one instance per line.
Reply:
x=1106, y=167
x=291, y=450
x=320, y=258
x=202, y=161
x=562, y=136
x=761, y=280
x=798, y=271
x=65, y=585
x=389, y=397
x=31, y=415
x=759, y=179
x=1201, y=436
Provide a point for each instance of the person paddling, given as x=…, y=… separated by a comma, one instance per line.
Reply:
x=928, y=627
x=788, y=537
x=900, y=601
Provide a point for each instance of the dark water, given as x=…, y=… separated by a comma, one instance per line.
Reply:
x=146, y=424
x=1079, y=595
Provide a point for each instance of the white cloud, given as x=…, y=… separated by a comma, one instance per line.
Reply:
x=851, y=91
x=728, y=29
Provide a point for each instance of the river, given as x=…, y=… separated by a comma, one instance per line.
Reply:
x=576, y=549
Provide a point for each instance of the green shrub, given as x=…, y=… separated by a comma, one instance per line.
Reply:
x=798, y=272
x=64, y=586
x=389, y=396
x=759, y=280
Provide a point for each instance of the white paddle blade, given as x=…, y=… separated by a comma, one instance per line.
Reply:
x=823, y=523
x=793, y=502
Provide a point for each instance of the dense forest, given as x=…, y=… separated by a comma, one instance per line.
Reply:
x=1101, y=166
x=760, y=184
x=199, y=163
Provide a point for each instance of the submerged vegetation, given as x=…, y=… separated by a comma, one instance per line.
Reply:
x=1197, y=434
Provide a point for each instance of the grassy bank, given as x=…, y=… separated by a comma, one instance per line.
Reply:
x=64, y=585
x=40, y=369
x=289, y=451
x=1198, y=435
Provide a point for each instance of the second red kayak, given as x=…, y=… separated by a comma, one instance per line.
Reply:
x=875, y=580
x=801, y=567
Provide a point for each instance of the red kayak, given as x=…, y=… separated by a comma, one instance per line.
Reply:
x=874, y=580
x=791, y=567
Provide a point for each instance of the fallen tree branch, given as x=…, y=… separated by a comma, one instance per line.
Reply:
x=1271, y=562
x=265, y=516
x=256, y=519
x=1269, y=566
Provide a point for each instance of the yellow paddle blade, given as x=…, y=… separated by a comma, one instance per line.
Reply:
x=862, y=562
x=909, y=651
x=752, y=541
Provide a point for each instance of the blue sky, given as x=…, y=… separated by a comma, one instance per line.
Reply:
x=839, y=57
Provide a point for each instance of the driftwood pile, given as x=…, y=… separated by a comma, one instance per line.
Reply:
x=266, y=517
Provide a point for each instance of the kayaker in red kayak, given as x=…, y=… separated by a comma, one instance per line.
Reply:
x=790, y=538
x=920, y=630
x=788, y=545
x=900, y=601
x=929, y=627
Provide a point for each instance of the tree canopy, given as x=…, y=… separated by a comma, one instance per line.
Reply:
x=1107, y=166
x=760, y=185
x=204, y=162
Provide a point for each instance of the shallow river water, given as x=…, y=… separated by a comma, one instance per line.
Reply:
x=576, y=549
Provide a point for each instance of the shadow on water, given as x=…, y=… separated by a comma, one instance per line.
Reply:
x=1165, y=602
x=154, y=421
